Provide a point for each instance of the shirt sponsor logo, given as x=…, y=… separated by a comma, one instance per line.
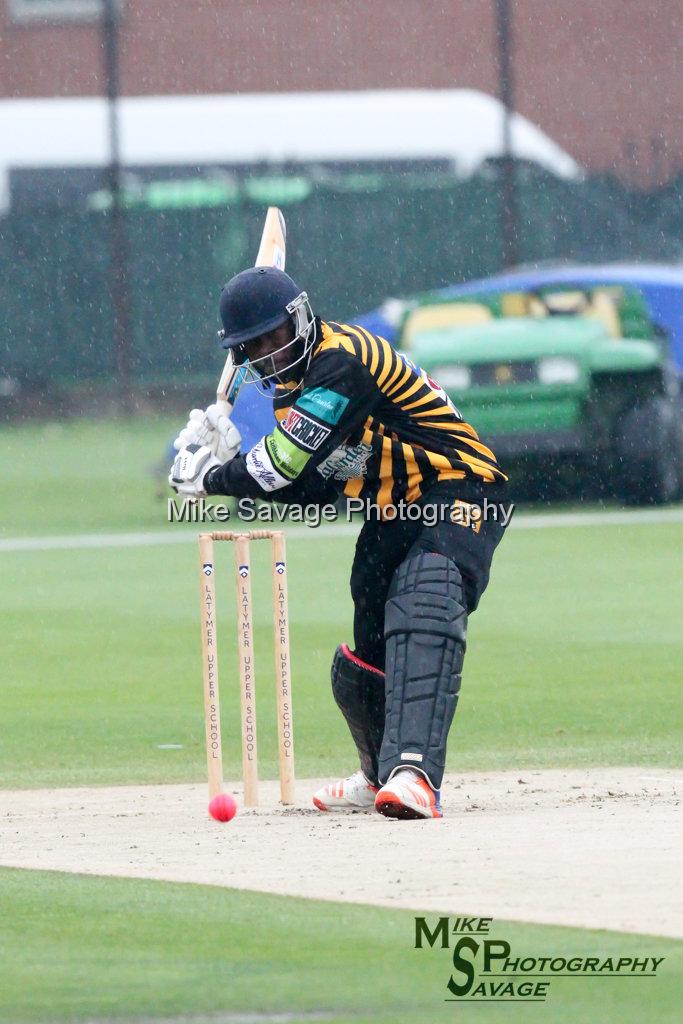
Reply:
x=325, y=404
x=285, y=456
x=305, y=431
x=346, y=462
x=260, y=467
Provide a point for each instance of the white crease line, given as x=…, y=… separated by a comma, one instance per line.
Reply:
x=228, y=1018
x=151, y=538
x=620, y=517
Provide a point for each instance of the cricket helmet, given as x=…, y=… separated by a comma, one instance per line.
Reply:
x=259, y=300
x=254, y=302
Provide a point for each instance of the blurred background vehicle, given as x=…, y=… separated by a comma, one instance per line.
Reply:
x=558, y=379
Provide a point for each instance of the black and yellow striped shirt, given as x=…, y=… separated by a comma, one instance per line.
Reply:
x=366, y=419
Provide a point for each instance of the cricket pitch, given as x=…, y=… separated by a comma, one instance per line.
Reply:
x=593, y=848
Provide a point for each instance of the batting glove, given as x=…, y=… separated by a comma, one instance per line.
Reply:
x=189, y=469
x=227, y=439
x=212, y=428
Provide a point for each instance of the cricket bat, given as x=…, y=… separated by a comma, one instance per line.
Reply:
x=271, y=253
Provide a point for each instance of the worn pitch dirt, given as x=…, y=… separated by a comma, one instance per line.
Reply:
x=597, y=848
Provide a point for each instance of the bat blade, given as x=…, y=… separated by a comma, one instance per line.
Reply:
x=271, y=253
x=272, y=249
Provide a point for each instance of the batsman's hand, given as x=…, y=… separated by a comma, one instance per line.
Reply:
x=189, y=469
x=212, y=428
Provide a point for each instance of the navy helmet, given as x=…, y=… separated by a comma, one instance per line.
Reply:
x=254, y=302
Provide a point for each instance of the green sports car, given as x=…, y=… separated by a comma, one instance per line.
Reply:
x=561, y=377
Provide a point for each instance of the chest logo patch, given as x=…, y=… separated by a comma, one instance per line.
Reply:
x=305, y=431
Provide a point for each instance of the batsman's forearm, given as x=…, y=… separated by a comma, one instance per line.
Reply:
x=234, y=479
x=308, y=489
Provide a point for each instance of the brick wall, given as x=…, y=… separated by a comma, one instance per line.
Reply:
x=600, y=76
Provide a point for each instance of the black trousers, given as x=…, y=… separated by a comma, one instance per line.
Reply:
x=382, y=546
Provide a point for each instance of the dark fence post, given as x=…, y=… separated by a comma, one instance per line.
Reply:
x=119, y=283
x=509, y=212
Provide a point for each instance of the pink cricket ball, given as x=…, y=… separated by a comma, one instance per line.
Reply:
x=223, y=807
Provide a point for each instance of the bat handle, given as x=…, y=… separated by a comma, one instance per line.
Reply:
x=224, y=406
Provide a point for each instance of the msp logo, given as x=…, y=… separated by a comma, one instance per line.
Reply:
x=305, y=431
x=207, y=569
x=279, y=568
x=243, y=570
x=488, y=970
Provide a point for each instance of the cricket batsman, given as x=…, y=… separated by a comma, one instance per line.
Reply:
x=355, y=416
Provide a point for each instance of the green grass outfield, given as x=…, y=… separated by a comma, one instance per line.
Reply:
x=80, y=948
x=574, y=655
x=574, y=659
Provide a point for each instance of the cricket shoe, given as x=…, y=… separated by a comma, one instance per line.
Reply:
x=352, y=794
x=408, y=795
